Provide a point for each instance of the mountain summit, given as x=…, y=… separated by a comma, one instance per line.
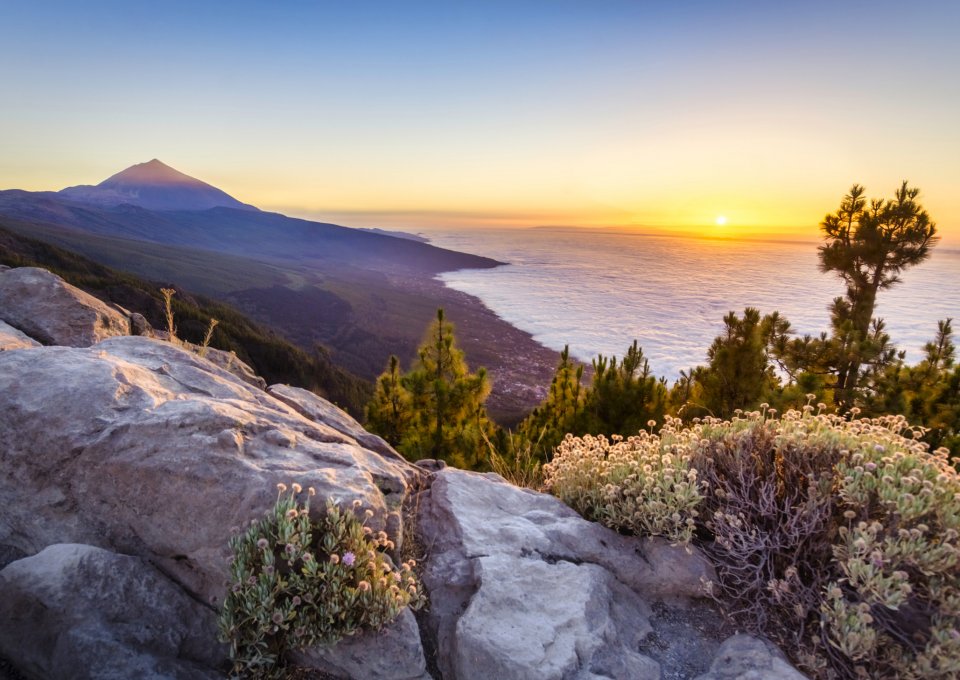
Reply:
x=155, y=186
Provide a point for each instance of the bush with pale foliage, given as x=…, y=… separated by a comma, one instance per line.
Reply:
x=837, y=538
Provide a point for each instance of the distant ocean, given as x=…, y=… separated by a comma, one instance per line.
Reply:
x=598, y=290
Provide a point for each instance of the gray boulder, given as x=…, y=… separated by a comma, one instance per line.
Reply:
x=143, y=448
x=76, y=611
x=522, y=587
x=139, y=325
x=49, y=310
x=743, y=657
x=11, y=338
x=394, y=653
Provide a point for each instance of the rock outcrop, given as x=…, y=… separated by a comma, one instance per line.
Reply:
x=75, y=611
x=144, y=448
x=394, y=653
x=523, y=587
x=53, y=312
x=322, y=411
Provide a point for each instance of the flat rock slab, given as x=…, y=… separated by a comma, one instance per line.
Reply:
x=522, y=587
x=79, y=612
x=50, y=310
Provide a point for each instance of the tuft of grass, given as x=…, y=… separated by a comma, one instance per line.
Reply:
x=207, y=336
x=519, y=463
x=168, y=294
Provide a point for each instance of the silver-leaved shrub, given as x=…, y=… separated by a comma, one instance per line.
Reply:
x=839, y=538
x=297, y=582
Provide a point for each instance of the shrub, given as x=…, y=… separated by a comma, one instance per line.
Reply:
x=893, y=607
x=298, y=582
x=838, y=538
x=642, y=484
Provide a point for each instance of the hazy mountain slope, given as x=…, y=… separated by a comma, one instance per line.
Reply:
x=363, y=316
x=154, y=186
x=241, y=232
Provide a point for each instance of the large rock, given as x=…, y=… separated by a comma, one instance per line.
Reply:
x=50, y=310
x=394, y=653
x=522, y=587
x=144, y=448
x=11, y=338
x=76, y=611
x=743, y=657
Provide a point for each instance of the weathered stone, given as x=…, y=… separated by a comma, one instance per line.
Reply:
x=320, y=410
x=76, y=611
x=395, y=653
x=144, y=448
x=139, y=325
x=50, y=310
x=522, y=587
x=743, y=657
x=230, y=363
x=11, y=338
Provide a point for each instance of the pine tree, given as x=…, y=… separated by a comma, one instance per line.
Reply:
x=739, y=373
x=559, y=412
x=389, y=413
x=928, y=393
x=868, y=247
x=623, y=397
x=446, y=403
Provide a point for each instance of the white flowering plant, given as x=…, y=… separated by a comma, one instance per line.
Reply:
x=297, y=582
x=838, y=537
x=642, y=484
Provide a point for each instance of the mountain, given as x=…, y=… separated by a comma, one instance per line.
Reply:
x=155, y=186
x=156, y=203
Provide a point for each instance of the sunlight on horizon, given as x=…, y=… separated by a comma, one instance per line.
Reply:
x=606, y=114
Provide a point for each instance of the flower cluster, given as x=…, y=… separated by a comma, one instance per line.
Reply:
x=297, y=582
x=643, y=484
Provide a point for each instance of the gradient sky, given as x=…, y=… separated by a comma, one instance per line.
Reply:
x=450, y=113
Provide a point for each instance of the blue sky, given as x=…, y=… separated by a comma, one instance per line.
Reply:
x=509, y=112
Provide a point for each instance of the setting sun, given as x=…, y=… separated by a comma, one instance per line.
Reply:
x=721, y=220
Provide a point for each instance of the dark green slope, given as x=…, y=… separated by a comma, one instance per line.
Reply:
x=271, y=356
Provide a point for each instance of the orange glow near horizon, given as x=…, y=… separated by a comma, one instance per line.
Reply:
x=448, y=115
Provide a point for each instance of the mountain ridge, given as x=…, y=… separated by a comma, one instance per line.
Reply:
x=154, y=185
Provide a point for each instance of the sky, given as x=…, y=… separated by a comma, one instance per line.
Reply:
x=647, y=115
